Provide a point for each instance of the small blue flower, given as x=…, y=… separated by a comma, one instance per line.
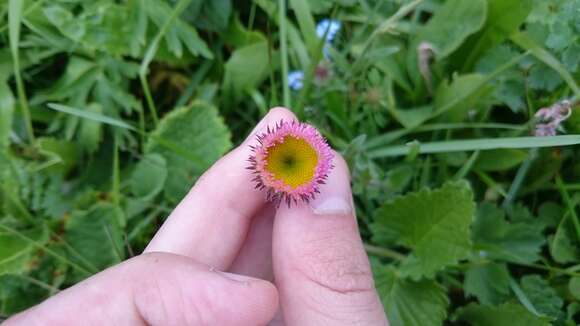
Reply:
x=295, y=79
x=333, y=27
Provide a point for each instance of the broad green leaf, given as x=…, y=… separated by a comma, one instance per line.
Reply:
x=495, y=237
x=564, y=245
x=509, y=314
x=488, y=282
x=503, y=18
x=190, y=139
x=16, y=252
x=450, y=25
x=238, y=36
x=438, y=232
x=95, y=236
x=500, y=159
x=469, y=88
x=544, y=298
x=246, y=68
x=574, y=287
x=410, y=303
x=149, y=176
x=412, y=118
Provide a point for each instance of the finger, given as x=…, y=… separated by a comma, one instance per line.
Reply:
x=211, y=222
x=158, y=289
x=255, y=257
x=322, y=271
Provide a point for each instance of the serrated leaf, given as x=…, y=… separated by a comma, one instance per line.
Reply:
x=490, y=283
x=410, y=303
x=16, y=252
x=542, y=296
x=190, y=139
x=149, y=176
x=95, y=236
x=494, y=236
x=509, y=314
x=433, y=223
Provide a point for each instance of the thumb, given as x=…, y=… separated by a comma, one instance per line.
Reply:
x=321, y=268
x=158, y=289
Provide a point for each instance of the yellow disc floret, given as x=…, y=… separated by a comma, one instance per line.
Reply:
x=293, y=161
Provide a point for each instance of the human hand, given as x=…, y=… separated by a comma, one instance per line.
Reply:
x=305, y=265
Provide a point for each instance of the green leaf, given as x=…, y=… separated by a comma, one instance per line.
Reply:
x=190, y=139
x=543, y=297
x=438, y=232
x=6, y=112
x=214, y=15
x=500, y=159
x=95, y=236
x=524, y=41
x=92, y=114
x=574, y=287
x=494, y=236
x=477, y=144
x=306, y=24
x=503, y=18
x=410, y=303
x=564, y=247
x=246, y=68
x=467, y=87
x=149, y=176
x=509, y=314
x=490, y=283
x=451, y=24
x=16, y=253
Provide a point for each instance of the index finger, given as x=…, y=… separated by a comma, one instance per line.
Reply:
x=211, y=222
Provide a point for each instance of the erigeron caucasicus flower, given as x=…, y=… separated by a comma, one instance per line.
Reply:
x=290, y=162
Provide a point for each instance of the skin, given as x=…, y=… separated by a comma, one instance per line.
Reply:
x=300, y=266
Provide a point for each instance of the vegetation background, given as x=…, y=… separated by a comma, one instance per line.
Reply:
x=110, y=110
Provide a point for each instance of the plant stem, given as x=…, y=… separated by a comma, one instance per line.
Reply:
x=383, y=252
x=284, y=53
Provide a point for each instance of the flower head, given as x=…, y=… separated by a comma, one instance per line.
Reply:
x=290, y=162
x=296, y=80
x=550, y=119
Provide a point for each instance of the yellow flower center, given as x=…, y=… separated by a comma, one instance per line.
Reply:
x=293, y=161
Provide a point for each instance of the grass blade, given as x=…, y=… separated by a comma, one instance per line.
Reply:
x=14, y=22
x=478, y=144
x=91, y=116
x=284, y=53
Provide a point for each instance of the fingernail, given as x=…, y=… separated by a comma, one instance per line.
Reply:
x=335, y=197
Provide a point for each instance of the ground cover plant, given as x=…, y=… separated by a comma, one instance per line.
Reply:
x=458, y=118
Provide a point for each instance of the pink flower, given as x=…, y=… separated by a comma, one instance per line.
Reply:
x=291, y=161
x=551, y=118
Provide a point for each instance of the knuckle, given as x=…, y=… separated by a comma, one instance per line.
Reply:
x=161, y=300
x=337, y=266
